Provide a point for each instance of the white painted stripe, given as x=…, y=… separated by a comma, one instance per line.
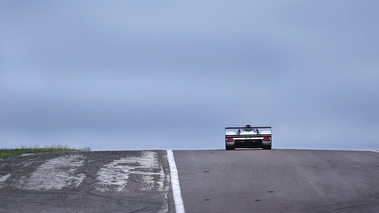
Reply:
x=55, y=173
x=178, y=201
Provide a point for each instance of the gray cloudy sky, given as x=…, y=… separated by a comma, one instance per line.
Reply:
x=116, y=75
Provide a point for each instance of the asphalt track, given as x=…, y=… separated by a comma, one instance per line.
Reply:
x=244, y=180
x=255, y=180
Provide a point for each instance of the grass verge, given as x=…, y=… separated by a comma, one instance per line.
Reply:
x=4, y=153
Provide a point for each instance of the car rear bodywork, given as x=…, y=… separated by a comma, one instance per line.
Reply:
x=248, y=137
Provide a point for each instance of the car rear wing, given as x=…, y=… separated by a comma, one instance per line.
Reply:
x=241, y=132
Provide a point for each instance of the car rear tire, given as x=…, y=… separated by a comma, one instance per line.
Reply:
x=230, y=148
x=266, y=147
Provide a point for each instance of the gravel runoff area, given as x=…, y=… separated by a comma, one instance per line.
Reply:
x=118, y=181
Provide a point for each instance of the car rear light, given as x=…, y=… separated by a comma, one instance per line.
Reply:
x=230, y=139
x=266, y=138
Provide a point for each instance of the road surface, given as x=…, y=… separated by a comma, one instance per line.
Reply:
x=254, y=180
x=244, y=180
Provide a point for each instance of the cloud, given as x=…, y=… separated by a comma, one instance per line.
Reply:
x=98, y=73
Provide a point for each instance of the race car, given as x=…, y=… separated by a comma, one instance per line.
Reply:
x=248, y=137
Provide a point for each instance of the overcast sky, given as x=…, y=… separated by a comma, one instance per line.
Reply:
x=118, y=75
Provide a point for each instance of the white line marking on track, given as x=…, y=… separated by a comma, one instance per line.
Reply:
x=55, y=173
x=175, y=183
x=3, y=179
x=115, y=175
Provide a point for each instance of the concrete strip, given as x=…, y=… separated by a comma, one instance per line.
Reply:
x=144, y=192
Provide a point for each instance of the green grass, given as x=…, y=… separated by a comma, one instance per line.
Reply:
x=4, y=153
